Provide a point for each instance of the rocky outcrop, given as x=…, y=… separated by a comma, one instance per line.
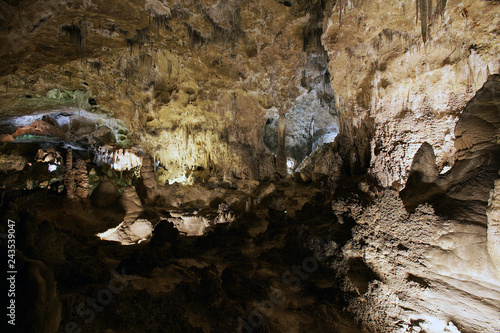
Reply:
x=224, y=214
x=39, y=127
x=190, y=225
x=463, y=191
x=49, y=155
x=424, y=164
x=129, y=232
x=410, y=85
x=404, y=260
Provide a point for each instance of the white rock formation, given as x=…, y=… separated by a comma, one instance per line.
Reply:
x=407, y=90
x=129, y=233
x=118, y=159
x=190, y=225
x=430, y=271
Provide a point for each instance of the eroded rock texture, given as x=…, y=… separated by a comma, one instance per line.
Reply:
x=408, y=92
x=425, y=269
x=271, y=165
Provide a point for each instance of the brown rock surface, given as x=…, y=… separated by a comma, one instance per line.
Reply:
x=104, y=194
x=39, y=127
x=295, y=118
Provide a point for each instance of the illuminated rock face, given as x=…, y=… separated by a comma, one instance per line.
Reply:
x=408, y=92
x=129, y=233
x=427, y=267
x=229, y=96
x=118, y=159
x=190, y=225
x=195, y=82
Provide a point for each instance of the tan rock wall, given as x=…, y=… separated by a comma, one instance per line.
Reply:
x=382, y=72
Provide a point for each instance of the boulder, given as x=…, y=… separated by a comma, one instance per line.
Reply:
x=105, y=194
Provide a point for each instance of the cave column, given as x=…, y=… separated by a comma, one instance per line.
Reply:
x=281, y=156
x=69, y=177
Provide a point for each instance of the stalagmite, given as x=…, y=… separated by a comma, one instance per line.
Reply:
x=69, y=177
x=281, y=156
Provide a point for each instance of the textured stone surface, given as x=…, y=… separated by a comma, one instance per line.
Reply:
x=493, y=234
x=426, y=268
x=195, y=82
x=129, y=232
x=224, y=98
x=409, y=91
x=104, y=194
x=464, y=190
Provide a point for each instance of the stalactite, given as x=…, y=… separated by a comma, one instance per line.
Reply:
x=340, y=11
x=140, y=38
x=77, y=34
x=417, y=9
x=281, y=156
x=429, y=12
x=169, y=69
x=425, y=12
x=195, y=37
x=423, y=19
x=440, y=7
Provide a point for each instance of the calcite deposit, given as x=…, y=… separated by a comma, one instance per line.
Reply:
x=270, y=165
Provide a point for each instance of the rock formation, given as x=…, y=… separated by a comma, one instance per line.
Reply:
x=493, y=234
x=104, y=194
x=272, y=165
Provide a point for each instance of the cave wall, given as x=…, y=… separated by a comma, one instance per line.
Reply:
x=403, y=78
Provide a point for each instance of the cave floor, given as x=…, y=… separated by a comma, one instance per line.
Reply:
x=265, y=272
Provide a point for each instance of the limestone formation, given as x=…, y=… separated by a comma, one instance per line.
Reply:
x=81, y=177
x=407, y=107
x=49, y=155
x=76, y=179
x=104, y=194
x=493, y=234
x=69, y=177
x=129, y=232
x=225, y=215
x=190, y=225
x=131, y=203
x=285, y=165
